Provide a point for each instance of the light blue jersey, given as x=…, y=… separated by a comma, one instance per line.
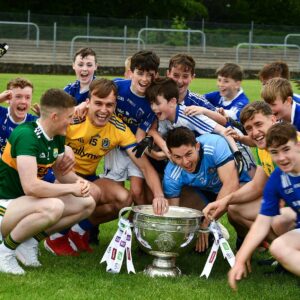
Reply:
x=215, y=152
x=281, y=186
x=232, y=108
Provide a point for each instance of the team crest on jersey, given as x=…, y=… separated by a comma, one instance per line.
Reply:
x=55, y=152
x=105, y=143
x=211, y=170
x=42, y=155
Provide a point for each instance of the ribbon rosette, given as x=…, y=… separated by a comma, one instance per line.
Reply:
x=119, y=245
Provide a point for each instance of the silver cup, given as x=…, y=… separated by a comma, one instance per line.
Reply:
x=165, y=237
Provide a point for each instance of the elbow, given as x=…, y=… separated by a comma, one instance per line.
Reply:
x=30, y=189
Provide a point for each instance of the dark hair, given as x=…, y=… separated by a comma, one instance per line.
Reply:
x=230, y=70
x=180, y=136
x=84, y=52
x=145, y=60
x=254, y=108
x=274, y=69
x=162, y=86
x=103, y=87
x=276, y=87
x=280, y=133
x=184, y=60
x=19, y=83
x=56, y=98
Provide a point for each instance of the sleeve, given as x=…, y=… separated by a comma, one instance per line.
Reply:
x=200, y=100
x=213, y=98
x=126, y=138
x=222, y=152
x=147, y=121
x=201, y=124
x=171, y=187
x=23, y=142
x=67, y=88
x=271, y=197
x=235, y=110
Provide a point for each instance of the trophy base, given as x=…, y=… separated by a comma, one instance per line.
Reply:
x=163, y=267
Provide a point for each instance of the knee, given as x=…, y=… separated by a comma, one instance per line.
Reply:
x=233, y=212
x=88, y=204
x=123, y=200
x=52, y=210
x=278, y=249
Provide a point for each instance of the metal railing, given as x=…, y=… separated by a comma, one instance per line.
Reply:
x=286, y=39
x=112, y=38
x=188, y=31
x=37, y=40
x=250, y=45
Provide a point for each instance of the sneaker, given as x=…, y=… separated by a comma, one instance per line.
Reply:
x=27, y=253
x=238, y=243
x=278, y=270
x=224, y=231
x=60, y=246
x=9, y=263
x=268, y=262
x=81, y=242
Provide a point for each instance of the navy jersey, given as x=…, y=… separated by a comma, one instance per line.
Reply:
x=233, y=107
x=216, y=153
x=195, y=99
x=281, y=186
x=74, y=90
x=296, y=98
x=134, y=110
x=295, y=117
x=8, y=125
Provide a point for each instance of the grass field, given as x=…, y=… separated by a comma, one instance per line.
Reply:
x=85, y=278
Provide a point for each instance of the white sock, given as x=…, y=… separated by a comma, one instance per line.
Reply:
x=78, y=229
x=54, y=236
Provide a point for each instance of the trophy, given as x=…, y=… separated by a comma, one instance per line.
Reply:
x=165, y=236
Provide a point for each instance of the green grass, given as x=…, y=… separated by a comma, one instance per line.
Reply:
x=85, y=278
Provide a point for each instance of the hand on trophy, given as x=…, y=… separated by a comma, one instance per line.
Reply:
x=160, y=205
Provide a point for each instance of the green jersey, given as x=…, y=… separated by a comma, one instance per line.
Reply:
x=31, y=140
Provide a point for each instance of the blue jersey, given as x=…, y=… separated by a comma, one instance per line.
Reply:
x=233, y=107
x=8, y=125
x=296, y=98
x=295, y=117
x=134, y=110
x=216, y=153
x=195, y=99
x=281, y=186
x=74, y=90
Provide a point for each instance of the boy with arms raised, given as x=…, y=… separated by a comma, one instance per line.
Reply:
x=278, y=93
x=32, y=208
x=283, y=184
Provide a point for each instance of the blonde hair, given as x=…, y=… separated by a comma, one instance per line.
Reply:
x=276, y=87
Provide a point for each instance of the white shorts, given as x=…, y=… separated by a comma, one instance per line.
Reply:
x=118, y=166
x=3, y=206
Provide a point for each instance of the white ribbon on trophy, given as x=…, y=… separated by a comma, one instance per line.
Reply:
x=119, y=245
x=219, y=241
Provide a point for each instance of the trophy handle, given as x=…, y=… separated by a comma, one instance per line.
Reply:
x=124, y=210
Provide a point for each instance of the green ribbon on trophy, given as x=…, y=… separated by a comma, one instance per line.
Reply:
x=119, y=245
x=219, y=241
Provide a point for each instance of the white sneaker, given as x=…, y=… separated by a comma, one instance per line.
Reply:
x=27, y=253
x=8, y=262
x=224, y=231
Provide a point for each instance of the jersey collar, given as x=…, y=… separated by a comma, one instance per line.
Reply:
x=43, y=131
